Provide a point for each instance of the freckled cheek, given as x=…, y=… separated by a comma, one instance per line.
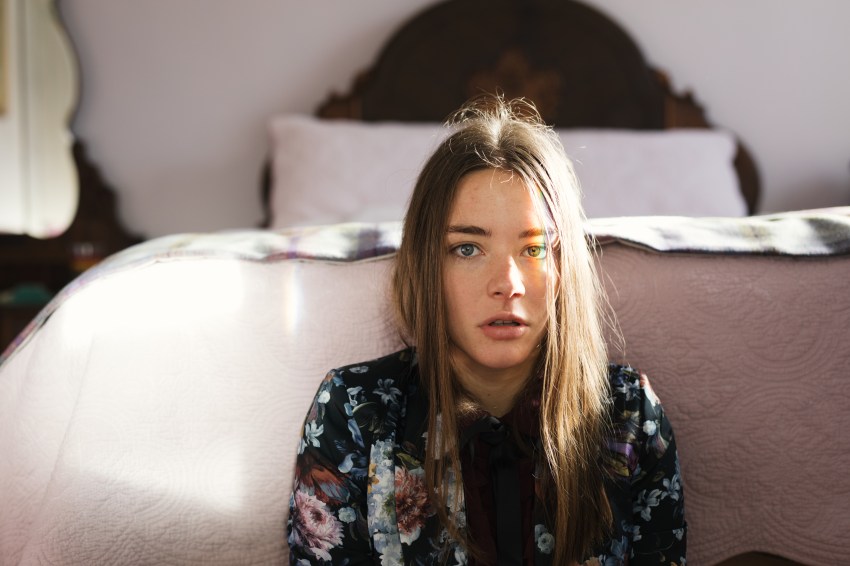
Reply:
x=458, y=296
x=536, y=287
x=537, y=281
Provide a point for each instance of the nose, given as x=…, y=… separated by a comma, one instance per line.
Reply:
x=506, y=280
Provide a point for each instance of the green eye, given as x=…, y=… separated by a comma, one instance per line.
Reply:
x=537, y=252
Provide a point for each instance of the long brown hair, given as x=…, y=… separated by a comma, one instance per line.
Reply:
x=492, y=133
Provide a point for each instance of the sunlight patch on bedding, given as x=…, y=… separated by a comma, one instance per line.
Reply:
x=154, y=476
x=163, y=293
x=291, y=300
x=154, y=426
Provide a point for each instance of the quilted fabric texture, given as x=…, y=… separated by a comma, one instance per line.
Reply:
x=153, y=417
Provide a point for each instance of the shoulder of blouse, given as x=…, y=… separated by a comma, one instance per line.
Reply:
x=373, y=374
x=371, y=393
x=641, y=432
x=630, y=391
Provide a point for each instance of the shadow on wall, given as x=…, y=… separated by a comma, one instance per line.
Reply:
x=818, y=193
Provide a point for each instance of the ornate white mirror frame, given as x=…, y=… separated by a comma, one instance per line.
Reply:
x=39, y=89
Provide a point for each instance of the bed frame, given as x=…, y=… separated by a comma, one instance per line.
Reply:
x=580, y=68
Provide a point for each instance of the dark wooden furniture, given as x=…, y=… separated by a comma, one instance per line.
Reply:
x=580, y=68
x=52, y=263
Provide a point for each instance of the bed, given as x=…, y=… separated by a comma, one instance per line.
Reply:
x=150, y=413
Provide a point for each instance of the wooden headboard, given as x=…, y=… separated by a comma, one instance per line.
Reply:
x=579, y=67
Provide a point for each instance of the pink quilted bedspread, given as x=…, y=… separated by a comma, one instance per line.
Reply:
x=150, y=415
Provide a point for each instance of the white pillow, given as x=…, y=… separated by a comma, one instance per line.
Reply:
x=683, y=172
x=332, y=171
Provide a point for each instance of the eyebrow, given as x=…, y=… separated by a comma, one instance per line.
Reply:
x=533, y=233
x=467, y=229
x=478, y=231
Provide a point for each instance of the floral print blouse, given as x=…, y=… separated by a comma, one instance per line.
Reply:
x=359, y=495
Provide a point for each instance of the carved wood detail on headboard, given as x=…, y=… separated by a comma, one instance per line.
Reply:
x=514, y=76
x=579, y=67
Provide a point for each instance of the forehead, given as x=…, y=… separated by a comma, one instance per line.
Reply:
x=495, y=196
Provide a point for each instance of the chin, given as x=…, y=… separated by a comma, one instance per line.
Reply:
x=501, y=359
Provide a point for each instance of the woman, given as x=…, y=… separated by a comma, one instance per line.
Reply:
x=503, y=437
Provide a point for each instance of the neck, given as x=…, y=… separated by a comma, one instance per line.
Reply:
x=496, y=390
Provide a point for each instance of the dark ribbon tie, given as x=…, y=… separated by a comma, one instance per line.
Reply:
x=504, y=474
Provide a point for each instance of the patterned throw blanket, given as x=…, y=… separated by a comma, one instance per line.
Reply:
x=814, y=233
x=809, y=233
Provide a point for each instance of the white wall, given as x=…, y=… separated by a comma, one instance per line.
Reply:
x=176, y=93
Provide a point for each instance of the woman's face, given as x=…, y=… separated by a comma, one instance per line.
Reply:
x=495, y=276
